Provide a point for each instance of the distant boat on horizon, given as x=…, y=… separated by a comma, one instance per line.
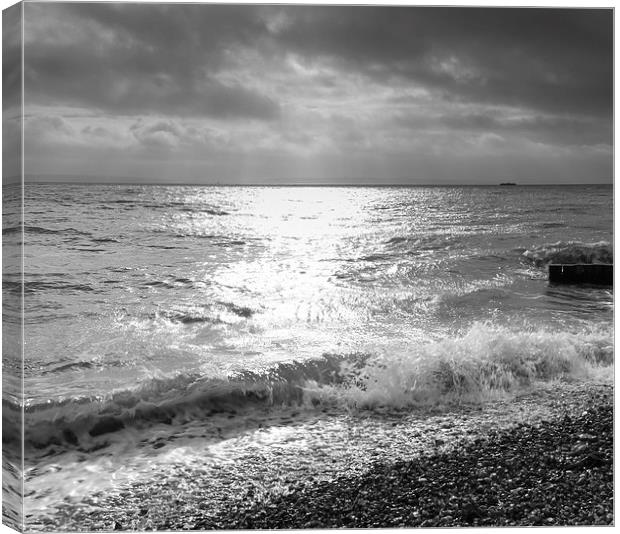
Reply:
x=508, y=183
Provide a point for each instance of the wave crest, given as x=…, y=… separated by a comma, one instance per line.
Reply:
x=570, y=252
x=174, y=399
x=487, y=362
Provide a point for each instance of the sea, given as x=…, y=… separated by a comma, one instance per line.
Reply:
x=163, y=322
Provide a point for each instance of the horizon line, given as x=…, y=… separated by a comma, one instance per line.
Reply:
x=297, y=184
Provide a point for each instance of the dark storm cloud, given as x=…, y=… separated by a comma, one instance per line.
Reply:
x=143, y=58
x=165, y=58
x=548, y=59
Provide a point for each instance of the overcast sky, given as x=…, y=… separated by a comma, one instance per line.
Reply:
x=295, y=94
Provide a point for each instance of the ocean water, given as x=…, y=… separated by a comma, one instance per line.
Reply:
x=151, y=310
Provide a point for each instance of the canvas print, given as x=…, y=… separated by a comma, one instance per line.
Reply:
x=306, y=266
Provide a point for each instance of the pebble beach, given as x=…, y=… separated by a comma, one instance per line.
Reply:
x=544, y=458
x=553, y=473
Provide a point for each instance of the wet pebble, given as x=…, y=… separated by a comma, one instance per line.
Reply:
x=442, y=489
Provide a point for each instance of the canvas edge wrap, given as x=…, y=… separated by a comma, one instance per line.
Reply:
x=12, y=269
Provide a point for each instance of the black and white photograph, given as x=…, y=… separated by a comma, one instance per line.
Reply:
x=306, y=266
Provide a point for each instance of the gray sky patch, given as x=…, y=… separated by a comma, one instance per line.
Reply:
x=289, y=93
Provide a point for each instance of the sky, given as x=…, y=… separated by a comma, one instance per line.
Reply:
x=184, y=93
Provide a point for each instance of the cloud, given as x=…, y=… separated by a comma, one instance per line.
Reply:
x=61, y=132
x=547, y=59
x=144, y=59
x=167, y=57
x=182, y=136
x=563, y=130
x=48, y=126
x=96, y=131
x=340, y=90
x=163, y=134
x=11, y=59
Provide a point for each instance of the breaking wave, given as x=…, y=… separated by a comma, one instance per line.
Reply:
x=484, y=363
x=172, y=400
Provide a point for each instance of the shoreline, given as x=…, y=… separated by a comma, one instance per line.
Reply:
x=282, y=477
x=552, y=473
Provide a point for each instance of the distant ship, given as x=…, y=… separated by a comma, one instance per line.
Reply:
x=507, y=183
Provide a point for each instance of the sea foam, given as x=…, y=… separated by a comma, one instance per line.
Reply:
x=486, y=362
x=570, y=252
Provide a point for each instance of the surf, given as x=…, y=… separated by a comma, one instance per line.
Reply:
x=485, y=362
x=570, y=252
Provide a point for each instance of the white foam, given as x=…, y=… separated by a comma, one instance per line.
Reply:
x=570, y=252
x=486, y=362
